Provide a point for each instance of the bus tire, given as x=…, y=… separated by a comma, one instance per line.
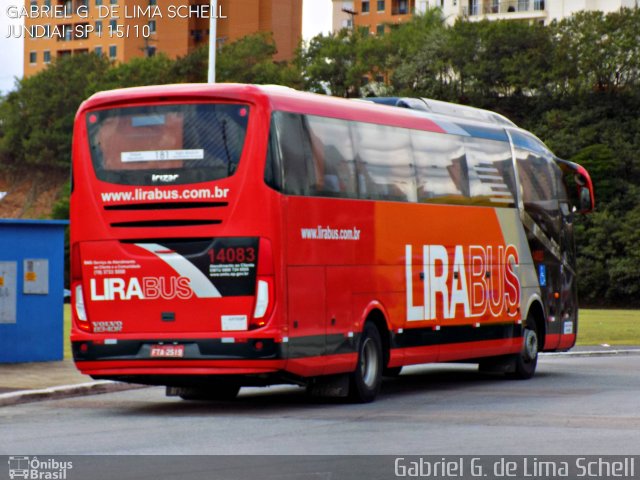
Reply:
x=525, y=362
x=220, y=392
x=365, y=380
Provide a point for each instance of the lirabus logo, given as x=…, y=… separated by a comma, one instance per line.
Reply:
x=38, y=469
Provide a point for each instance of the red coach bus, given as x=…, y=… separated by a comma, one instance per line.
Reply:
x=232, y=235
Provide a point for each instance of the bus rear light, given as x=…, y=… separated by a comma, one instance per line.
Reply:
x=264, y=302
x=81, y=312
x=262, y=299
x=265, y=286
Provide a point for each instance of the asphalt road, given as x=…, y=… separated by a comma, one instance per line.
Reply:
x=574, y=405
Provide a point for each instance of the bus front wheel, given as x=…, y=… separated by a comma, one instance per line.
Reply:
x=365, y=381
x=526, y=361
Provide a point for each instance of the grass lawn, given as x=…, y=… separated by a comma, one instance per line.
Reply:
x=613, y=327
x=67, y=329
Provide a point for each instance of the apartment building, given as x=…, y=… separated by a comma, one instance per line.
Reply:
x=125, y=29
x=374, y=14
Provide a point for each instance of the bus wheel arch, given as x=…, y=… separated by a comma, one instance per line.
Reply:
x=536, y=311
x=533, y=334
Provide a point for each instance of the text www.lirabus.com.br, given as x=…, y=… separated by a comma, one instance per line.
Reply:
x=328, y=233
x=140, y=194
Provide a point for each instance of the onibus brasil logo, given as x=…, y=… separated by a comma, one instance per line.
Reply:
x=33, y=468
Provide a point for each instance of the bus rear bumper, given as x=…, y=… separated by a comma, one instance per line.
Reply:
x=188, y=373
x=194, y=361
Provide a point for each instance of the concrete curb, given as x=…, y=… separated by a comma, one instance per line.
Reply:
x=593, y=353
x=65, y=391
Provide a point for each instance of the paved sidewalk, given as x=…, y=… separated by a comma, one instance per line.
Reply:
x=32, y=376
x=29, y=382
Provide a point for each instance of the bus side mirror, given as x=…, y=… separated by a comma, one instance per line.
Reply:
x=586, y=203
x=579, y=186
x=584, y=185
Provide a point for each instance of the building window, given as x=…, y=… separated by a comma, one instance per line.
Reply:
x=34, y=3
x=47, y=56
x=381, y=5
x=113, y=51
x=67, y=31
x=68, y=7
x=365, y=6
x=474, y=7
x=47, y=3
x=153, y=2
x=380, y=29
x=99, y=28
x=33, y=57
x=151, y=51
x=114, y=2
x=82, y=30
x=98, y=3
x=113, y=25
x=98, y=51
x=152, y=26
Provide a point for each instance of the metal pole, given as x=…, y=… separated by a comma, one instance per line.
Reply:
x=213, y=20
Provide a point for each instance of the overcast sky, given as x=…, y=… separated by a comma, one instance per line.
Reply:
x=316, y=19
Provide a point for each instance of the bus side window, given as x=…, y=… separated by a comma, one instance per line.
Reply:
x=441, y=169
x=384, y=162
x=299, y=174
x=333, y=156
x=273, y=165
x=491, y=176
x=539, y=193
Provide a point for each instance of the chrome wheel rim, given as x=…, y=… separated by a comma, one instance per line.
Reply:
x=369, y=363
x=530, y=347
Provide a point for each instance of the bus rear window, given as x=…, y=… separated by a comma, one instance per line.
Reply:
x=176, y=143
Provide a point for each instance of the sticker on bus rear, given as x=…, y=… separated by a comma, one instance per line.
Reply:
x=229, y=263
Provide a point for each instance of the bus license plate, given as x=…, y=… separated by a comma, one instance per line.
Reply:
x=167, y=351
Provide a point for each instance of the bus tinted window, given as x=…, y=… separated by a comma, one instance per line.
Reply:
x=193, y=142
x=299, y=175
x=539, y=190
x=441, y=167
x=323, y=156
x=491, y=177
x=333, y=154
x=385, y=162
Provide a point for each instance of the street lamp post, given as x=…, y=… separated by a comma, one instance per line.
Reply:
x=213, y=17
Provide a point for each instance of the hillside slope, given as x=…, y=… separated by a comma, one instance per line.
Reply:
x=29, y=194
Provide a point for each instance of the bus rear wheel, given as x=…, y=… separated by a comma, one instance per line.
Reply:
x=526, y=361
x=365, y=381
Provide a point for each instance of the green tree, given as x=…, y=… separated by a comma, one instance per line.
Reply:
x=419, y=60
x=251, y=60
x=598, y=51
x=342, y=62
x=37, y=118
x=156, y=70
